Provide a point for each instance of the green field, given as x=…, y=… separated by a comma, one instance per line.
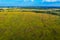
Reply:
x=29, y=26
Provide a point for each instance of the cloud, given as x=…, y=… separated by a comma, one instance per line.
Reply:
x=32, y=0
x=28, y=0
x=49, y=0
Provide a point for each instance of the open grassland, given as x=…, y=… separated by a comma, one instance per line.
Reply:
x=29, y=26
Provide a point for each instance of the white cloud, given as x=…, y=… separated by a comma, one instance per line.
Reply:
x=32, y=0
x=28, y=0
x=49, y=0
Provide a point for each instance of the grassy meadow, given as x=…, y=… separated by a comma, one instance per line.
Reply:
x=29, y=26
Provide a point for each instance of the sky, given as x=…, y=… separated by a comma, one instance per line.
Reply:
x=30, y=3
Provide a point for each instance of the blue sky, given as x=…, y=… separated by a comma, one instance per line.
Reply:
x=29, y=2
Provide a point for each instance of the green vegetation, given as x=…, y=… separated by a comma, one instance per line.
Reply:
x=29, y=26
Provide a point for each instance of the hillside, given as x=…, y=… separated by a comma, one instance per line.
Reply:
x=29, y=26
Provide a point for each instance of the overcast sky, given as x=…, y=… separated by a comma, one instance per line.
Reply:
x=29, y=2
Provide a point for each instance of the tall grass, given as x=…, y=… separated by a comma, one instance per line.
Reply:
x=29, y=26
